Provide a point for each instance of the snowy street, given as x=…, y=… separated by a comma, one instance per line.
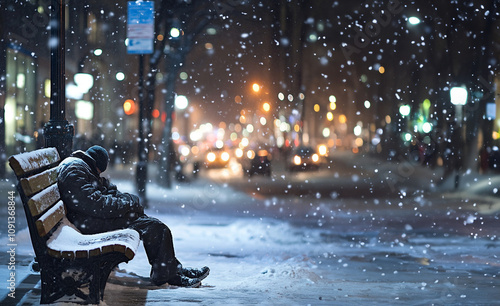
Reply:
x=308, y=250
x=308, y=152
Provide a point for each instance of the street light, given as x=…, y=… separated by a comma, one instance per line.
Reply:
x=458, y=95
x=404, y=110
x=333, y=102
x=84, y=81
x=181, y=102
x=266, y=106
x=175, y=32
x=414, y=20
x=129, y=107
x=120, y=76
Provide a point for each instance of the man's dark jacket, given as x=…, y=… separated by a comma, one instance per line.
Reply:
x=93, y=203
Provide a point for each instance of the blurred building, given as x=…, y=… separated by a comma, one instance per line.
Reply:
x=304, y=54
x=95, y=44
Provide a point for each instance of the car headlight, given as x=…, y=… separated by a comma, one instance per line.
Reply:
x=323, y=150
x=250, y=154
x=224, y=156
x=211, y=157
x=315, y=158
x=239, y=153
x=297, y=160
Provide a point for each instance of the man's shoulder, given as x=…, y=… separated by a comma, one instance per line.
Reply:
x=72, y=163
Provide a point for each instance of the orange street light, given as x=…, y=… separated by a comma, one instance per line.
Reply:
x=129, y=107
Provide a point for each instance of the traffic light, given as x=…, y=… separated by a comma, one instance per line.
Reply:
x=129, y=107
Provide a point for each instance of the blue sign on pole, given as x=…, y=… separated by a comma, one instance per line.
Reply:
x=140, y=27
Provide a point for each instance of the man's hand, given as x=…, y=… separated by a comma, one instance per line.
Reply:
x=106, y=183
x=136, y=205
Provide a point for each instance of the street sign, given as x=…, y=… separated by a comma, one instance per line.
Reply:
x=491, y=111
x=140, y=27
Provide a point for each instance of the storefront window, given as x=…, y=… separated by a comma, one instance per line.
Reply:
x=20, y=124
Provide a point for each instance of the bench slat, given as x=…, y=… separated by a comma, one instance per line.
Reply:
x=35, y=183
x=70, y=254
x=50, y=218
x=43, y=200
x=123, y=249
x=26, y=162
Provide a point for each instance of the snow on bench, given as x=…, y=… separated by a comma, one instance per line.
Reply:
x=68, y=242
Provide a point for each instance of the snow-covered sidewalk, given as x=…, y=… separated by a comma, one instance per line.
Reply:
x=267, y=262
x=263, y=260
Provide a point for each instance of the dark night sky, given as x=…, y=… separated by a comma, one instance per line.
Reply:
x=217, y=76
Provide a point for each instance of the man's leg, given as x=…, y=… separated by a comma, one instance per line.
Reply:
x=158, y=243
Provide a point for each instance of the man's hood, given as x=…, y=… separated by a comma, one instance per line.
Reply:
x=79, y=154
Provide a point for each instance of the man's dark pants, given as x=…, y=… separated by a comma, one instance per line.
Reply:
x=158, y=243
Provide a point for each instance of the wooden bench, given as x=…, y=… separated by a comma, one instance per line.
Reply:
x=70, y=263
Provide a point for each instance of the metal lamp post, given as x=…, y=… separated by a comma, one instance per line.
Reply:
x=58, y=132
x=140, y=32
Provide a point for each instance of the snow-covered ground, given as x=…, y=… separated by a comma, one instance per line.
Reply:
x=272, y=263
x=257, y=260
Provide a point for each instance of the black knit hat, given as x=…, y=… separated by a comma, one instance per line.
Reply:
x=100, y=155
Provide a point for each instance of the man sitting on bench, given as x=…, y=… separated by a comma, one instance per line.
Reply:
x=95, y=205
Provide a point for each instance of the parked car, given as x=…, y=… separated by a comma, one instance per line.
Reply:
x=304, y=158
x=216, y=158
x=256, y=162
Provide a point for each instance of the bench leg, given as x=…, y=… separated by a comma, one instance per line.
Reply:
x=94, y=287
x=100, y=275
x=49, y=285
x=60, y=279
x=65, y=278
x=106, y=269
